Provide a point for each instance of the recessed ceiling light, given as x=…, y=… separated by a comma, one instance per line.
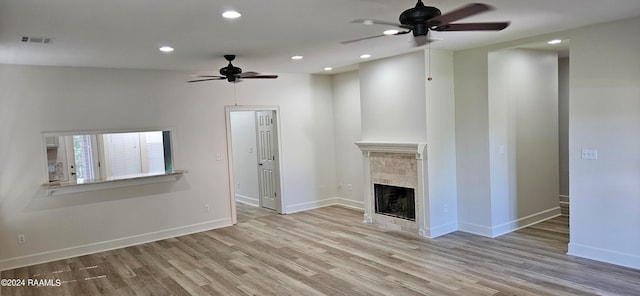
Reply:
x=365, y=56
x=166, y=49
x=297, y=57
x=231, y=14
x=390, y=32
x=328, y=68
x=555, y=41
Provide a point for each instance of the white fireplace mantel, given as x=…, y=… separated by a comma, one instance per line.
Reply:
x=369, y=148
x=392, y=147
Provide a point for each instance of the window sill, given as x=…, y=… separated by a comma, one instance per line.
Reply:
x=58, y=188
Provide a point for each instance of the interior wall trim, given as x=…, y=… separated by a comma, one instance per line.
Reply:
x=65, y=253
x=598, y=254
x=513, y=225
x=332, y=201
x=249, y=200
x=525, y=221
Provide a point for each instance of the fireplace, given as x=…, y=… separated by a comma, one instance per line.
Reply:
x=395, y=201
x=394, y=195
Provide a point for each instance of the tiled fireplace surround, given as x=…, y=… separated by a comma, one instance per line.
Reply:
x=396, y=164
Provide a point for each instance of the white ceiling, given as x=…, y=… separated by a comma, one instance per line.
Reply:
x=127, y=33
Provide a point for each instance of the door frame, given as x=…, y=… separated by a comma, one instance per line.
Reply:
x=232, y=191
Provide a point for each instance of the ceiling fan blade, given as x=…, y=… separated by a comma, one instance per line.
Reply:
x=376, y=36
x=378, y=22
x=208, y=79
x=261, y=77
x=247, y=74
x=361, y=39
x=208, y=76
x=473, y=27
x=460, y=13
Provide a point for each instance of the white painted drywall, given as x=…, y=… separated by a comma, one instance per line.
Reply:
x=604, y=109
x=392, y=99
x=488, y=182
x=605, y=115
x=245, y=157
x=40, y=98
x=346, y=118
x=441, y=143
x=563, y=124
x=523, y=132
x=472, y=141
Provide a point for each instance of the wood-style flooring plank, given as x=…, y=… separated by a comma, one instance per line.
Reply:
x=329, y=251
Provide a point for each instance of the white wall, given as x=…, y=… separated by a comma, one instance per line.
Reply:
x=603, y=109
x=523, y=133
x=563, y=125
x=441, y=144
x=605, y=115
x=346, y=118
x=392, y=98
x=245, y=157
x=488, y=182
x=36, y=99
x=472, y=141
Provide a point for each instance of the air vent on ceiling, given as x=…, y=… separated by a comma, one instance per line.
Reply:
x=41, y=40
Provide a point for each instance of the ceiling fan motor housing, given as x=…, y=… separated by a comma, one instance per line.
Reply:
x=230, y=70
x=418, y=16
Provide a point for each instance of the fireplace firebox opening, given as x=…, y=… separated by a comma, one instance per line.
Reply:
x=395, y=201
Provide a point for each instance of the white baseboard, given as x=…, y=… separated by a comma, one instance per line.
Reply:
x=525, y=221
x=476, y=229
x=49, y=256
x=350, y=203
x=305, y=206
x=604, y=255
x=254, y=201
x=564, y=198
x=495, y=231
x=443, y=229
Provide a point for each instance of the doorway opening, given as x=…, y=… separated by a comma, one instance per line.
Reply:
x=253, y=146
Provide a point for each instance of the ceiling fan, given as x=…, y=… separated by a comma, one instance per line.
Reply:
x=233, y=74
x=421, y=19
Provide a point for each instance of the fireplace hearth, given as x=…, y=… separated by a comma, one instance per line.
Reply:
x=395, y=201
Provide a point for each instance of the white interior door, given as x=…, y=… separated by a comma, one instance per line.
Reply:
x=268, y=174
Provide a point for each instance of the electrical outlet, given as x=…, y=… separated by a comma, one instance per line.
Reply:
x=22, y=239
x=349, y=187
x=590, y=154
x=219, y=156
x=206, y=208
x=446, y=208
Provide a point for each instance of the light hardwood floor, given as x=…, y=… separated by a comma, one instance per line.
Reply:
x=246, y=212
x=329, y=251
